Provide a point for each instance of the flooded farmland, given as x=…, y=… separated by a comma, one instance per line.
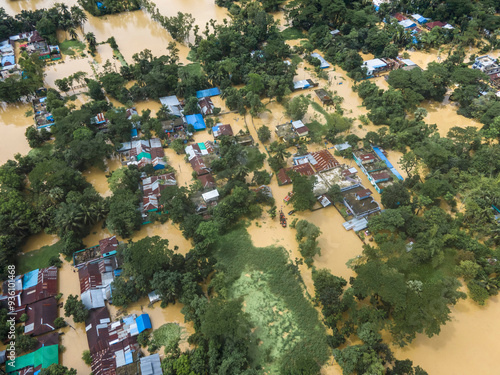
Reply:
x=467, y=344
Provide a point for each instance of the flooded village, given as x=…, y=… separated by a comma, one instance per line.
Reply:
x=362, y=171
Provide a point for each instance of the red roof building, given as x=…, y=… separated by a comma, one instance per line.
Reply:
x=220, y=130
x=367, y=158
x=362, y=194
x=108, y=244
x=41, y=316
x=199, y=166
x=381, y=176
x=207, y=181
x=96, y=327
x=90, y=277
x=206, y=106
x=45, y=287
x=322, y=160
x=304, y=169
x=431, y=25
x=399, y=17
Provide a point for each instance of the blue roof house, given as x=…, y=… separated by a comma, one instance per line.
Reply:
x=143, y=322
x=197, y=121
x=214, y=91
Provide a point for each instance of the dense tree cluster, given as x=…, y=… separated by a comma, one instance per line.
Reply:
x=104, y=7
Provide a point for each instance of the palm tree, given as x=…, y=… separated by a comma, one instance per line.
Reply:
x=240, y=172
x=78, y=16
x=91, y=40
x=72, y=33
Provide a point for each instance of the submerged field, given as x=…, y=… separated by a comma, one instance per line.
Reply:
x=288, y=332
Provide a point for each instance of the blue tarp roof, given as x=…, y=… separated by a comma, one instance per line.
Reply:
x=133, y=132
x=209, y=92
x=197, y=121
x=388, y=163
x=143, y=322
x=30, y=279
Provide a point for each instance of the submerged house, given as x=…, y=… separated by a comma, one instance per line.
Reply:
x=323, y=63
x=220, y=130
x=173, y=104
x=304, y=84
x=206, y=106
x=324, y=97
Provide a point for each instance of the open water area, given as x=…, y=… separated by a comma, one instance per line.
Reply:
x=467, y=344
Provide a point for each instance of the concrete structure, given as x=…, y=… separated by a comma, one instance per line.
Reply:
x=486, y=64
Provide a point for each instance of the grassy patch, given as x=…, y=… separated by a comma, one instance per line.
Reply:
x=71, y=47
x=288, y=329
x=42, y=151
x=167, y=335
x=316, y=127
x=38, y=258
x=193, y=69
x=292, y=33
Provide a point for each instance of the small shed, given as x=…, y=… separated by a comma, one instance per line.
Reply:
x=210, y=196
x=324, y=97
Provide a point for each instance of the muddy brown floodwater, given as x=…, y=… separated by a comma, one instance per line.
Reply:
x=13, y=124
x=466, y=345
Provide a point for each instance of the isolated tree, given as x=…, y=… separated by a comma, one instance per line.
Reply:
x=297, y=107
x=264, y=133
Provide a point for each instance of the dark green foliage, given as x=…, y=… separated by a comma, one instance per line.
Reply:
x=56, y=369
x=303, y=196
x=59, y=323
x=329, y=289
x=75, y=308
x=264, y=133
x=109, y=6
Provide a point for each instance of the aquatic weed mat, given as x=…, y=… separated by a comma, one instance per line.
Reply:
x=287, y=326
x=168, y=334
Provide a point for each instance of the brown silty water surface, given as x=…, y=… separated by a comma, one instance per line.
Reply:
x=13, y=124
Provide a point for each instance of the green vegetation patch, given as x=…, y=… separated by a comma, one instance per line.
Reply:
x=292, y=33
x=276, y=331
x=71, y=47
x=296, y=59
x=286, y=321
x=38, y=258
x=193, y=69
x=192, y=56
x=168, y=335
x=255, y=158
